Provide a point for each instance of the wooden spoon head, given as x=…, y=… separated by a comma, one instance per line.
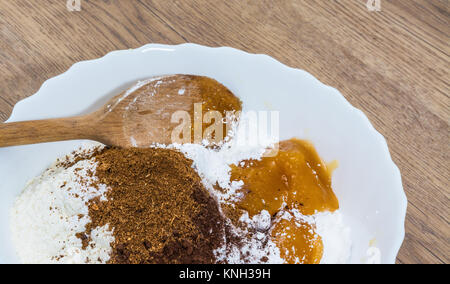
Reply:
x=144, y=114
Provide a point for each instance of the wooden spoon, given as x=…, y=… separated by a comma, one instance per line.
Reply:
x=138, y=117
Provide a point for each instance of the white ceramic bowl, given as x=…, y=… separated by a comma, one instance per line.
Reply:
x=367, y=182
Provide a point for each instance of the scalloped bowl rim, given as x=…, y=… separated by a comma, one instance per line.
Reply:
x=19, y=108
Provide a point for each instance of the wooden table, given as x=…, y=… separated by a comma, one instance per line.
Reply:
x=392, y=64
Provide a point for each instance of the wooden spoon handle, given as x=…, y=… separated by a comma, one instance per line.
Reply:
x=41, y=131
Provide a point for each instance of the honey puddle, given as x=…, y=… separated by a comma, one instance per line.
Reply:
x=297, y=241
x=219, y=108
x=295, y=178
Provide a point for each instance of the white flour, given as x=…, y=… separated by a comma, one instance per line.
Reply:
x=335, y=237
x=254, y=248
x=49, y=213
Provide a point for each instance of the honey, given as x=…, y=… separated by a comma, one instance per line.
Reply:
x=297, y=242
x=294, y=178
x=219, y=108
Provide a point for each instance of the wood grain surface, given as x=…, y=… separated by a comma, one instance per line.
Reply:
x=392, y=64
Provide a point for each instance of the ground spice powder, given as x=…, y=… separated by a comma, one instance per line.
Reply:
x=157, y=206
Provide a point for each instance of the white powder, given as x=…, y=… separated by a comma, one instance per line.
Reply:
x=136, y=87
x=52, y=210
x=335, y=237
x=259, y=245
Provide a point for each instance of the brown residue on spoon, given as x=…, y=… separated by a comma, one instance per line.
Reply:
x=139, y=117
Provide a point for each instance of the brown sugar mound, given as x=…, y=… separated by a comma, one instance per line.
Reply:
x=157, y=207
